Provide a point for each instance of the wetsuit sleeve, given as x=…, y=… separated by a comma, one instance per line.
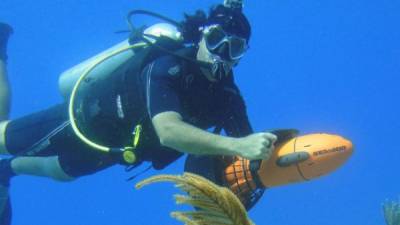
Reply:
x=236, y=123
x=161, y=81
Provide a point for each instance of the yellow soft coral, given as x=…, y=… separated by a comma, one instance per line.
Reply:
x=215, y=205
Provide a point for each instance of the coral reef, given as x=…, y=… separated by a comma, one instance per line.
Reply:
x=214, y=204
x=391, y=211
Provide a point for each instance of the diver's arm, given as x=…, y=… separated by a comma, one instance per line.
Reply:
x=164, y=106
x=177, y=134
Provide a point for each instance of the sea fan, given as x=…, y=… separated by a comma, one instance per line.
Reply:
x=214, y=204
x=391, y=211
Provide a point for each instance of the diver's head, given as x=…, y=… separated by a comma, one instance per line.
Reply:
x=224, y=40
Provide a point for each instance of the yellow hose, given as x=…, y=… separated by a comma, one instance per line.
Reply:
x=75, y=89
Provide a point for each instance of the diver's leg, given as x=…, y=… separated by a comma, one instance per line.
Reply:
x=3, y=126
x=36, y=166
x=5, y=206
x=17, y=137
x=5, y=32
x=6, y=173
x=40, y=166
x=5, y=93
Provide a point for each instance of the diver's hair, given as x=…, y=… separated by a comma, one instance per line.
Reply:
x=191, y=26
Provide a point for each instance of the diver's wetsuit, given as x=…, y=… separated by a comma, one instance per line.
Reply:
x=166, y=84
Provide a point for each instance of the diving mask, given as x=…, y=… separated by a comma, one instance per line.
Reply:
x=228, y=46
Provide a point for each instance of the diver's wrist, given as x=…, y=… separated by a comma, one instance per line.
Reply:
x=231, y=146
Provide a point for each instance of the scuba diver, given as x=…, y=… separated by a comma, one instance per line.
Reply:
x=175, y=97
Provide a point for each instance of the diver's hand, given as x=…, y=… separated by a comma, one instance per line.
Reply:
x=256, y=146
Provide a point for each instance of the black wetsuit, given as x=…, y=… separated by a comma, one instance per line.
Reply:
x=167, y=83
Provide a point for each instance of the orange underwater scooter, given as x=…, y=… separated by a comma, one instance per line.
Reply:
x=295, y=159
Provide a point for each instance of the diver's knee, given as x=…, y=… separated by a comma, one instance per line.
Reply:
x=58, y=173
x=3, y=126
x=61, y=176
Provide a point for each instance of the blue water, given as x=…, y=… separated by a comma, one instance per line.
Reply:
x=319, y=66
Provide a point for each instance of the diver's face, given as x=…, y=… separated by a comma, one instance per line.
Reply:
x=213, y=75
x=221, y=50
x=203, y=54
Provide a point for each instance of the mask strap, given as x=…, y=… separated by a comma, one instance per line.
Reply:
x=234, y=4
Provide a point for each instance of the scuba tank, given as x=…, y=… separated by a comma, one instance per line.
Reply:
x=106, y=68
x=68, y=79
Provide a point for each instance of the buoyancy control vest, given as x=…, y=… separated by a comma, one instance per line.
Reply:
x=104, y=106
